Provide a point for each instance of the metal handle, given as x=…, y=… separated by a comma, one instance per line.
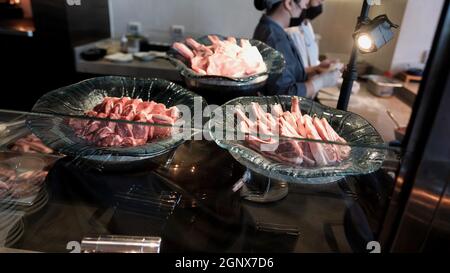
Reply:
x=393, y=118
x=120, y=244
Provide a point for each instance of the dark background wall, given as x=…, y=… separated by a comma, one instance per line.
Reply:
x=35, y=65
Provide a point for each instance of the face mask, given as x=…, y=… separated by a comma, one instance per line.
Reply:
x=313, y=12
x=310, y=14
x=296, y=21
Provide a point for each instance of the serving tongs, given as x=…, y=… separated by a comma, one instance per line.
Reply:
x=392, y=117
x=399, y=130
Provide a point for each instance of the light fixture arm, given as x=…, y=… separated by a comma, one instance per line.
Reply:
x=350, y=74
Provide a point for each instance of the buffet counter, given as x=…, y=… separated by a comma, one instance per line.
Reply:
x=189, y=194
x=193, y=191
x=112, y=160
x=373, y=108
x=159, y=68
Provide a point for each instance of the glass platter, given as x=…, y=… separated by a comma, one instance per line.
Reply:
x=75, y=100
x=274, y=60
x=367, y=148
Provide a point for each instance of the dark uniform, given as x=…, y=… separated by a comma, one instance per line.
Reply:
x=292, y=80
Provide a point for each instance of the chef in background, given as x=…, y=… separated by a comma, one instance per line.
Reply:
x=294, y=80
x=305, y=39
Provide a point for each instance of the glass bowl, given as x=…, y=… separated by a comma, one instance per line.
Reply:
x=274, y=61
x=367, y=146
x=53, y=129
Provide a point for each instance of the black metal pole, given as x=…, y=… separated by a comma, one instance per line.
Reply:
x=350, y=74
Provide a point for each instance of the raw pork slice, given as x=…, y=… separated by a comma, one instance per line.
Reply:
x=222, y=58
x=122, y=134
x=293, y=138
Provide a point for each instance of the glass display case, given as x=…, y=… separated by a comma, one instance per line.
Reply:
x=115, y=164
x=193, y=196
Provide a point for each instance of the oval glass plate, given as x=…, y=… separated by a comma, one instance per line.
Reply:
x=274, y=61
x=76, y=99
x=367, y=153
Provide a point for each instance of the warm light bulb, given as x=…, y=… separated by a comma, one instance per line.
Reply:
x=365, y=42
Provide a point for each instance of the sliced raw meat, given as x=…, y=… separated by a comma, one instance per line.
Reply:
x=123, y=134
x=183, y=50
x=223, y=58
x=293, y=127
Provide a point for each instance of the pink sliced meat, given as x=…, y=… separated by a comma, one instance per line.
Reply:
x=214, y=39
x=199, y=49
x=112, y=125
x=112, y=141
x=122, y=134
x=245, y=43
x=151, y=128
x=91, y=113
x=173, y=112
x=193, y=43
x=183, y=50
x=277, y=111
x=103, y=132
x=321, y=129
x=78, y=124
x=159, y=108
x=3, y=186
x=124, y=129
x=222, y=58
x=258, y=113
x=92, y=128
x=146, y=107
x=322, y=152
x=343, y=150
x=295, y=105
x=272, y=123
x=232, y=40
x=290, y=119
x=200, y=64
x=141, y=131
x=106, y=106
x=292, y=126
x=162, y=131
x=132, y=142
x=241, y=115
x=300, y=124
x=308, y=157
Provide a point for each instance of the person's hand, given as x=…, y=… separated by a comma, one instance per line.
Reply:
x=327, y=79
x=315, y=3
x=326, y=63
x=326, y=66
